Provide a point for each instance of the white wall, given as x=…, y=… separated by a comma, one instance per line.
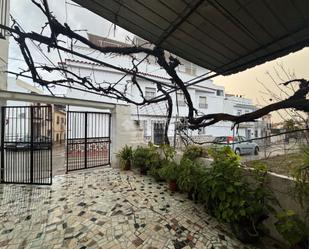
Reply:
x=4, y=49
x=157, y=112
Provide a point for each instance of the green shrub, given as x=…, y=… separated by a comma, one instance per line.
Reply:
x=125, y=156
x=169, y=171
x=231, y=199
x=192, y=152
x=168, y=154
x=145, y=158
x=301, y=176
x=293, y=229
x=189, y=175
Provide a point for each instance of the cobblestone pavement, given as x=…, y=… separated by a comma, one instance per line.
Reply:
x=105, y=208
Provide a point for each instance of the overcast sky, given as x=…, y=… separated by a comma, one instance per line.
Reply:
x=244, y=83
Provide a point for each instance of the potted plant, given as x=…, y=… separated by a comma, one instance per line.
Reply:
x=125, y=157
x=189, y=177
x=231, y=199
x=145, y=158
x=193, y=152
x=167, y=154
x=169, y=172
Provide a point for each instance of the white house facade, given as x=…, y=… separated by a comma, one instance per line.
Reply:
x=206, y=96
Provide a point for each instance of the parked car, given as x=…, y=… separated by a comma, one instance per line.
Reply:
x=24, y=143
x=239, y=144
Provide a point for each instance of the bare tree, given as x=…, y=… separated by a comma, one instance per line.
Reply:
x=57, y=31
x=298, y=119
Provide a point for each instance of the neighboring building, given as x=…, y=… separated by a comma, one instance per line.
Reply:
x=4, y=45
x=207, y=97
x=59, y=123
x=266, y=130
x=58, y=114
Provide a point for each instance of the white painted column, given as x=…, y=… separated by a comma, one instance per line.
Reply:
x=124, y=131
x=4, y=52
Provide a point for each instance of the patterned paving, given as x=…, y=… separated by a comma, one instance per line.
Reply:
x=105, y=209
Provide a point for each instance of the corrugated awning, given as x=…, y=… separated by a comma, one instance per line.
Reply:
x=225, y=36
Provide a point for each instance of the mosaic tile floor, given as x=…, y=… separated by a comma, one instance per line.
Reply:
x=105, y=209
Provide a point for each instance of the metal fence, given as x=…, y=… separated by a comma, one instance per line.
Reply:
x=88, y=140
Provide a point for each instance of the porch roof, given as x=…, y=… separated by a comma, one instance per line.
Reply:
x=221, y=35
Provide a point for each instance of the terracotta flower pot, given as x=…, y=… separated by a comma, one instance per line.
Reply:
x=172, y=186
x=143, y=171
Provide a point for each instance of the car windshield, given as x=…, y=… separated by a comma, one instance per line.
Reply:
x=243, y=139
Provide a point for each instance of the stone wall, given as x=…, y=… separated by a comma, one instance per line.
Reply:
x=282, y=188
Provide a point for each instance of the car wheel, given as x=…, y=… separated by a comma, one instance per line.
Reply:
x=237, y=151
x=256, y=150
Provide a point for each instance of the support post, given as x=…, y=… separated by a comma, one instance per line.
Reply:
x=2, y=143
x=31, y=142
x=86, y=123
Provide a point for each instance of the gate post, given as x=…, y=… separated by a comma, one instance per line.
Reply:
x=85, y=148
x=2, y=133
x=31, y=142
x=124, y=131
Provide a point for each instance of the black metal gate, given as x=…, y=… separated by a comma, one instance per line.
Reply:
x=88, y=140
x=26, y=144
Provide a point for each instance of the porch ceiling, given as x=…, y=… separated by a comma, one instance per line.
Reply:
x=222, y=35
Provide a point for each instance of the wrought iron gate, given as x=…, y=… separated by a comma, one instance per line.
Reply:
x=88, y=140
x=158, y=133
x=26, y=144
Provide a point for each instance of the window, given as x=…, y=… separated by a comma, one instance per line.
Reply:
x=220, y=93
x=62, y=120
x=57, y=137
x=58, y=119
x=190, y=69
x=202, y=102
x=248, y=134
x=150, y=92
x=256, y=134
x=181, y=99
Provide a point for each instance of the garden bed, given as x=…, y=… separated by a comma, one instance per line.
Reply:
x=280, y=164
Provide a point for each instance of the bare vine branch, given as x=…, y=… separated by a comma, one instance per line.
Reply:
x=297, y=101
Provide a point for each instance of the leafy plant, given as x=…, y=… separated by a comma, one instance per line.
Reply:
x=189, y=176
x=145, y=158
x=291, y=226
x=231, y=199
x=192, y=152
x=125, y=156
x=293, y=229
x=168, y=154
x=301, y=176
x=169, y=171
